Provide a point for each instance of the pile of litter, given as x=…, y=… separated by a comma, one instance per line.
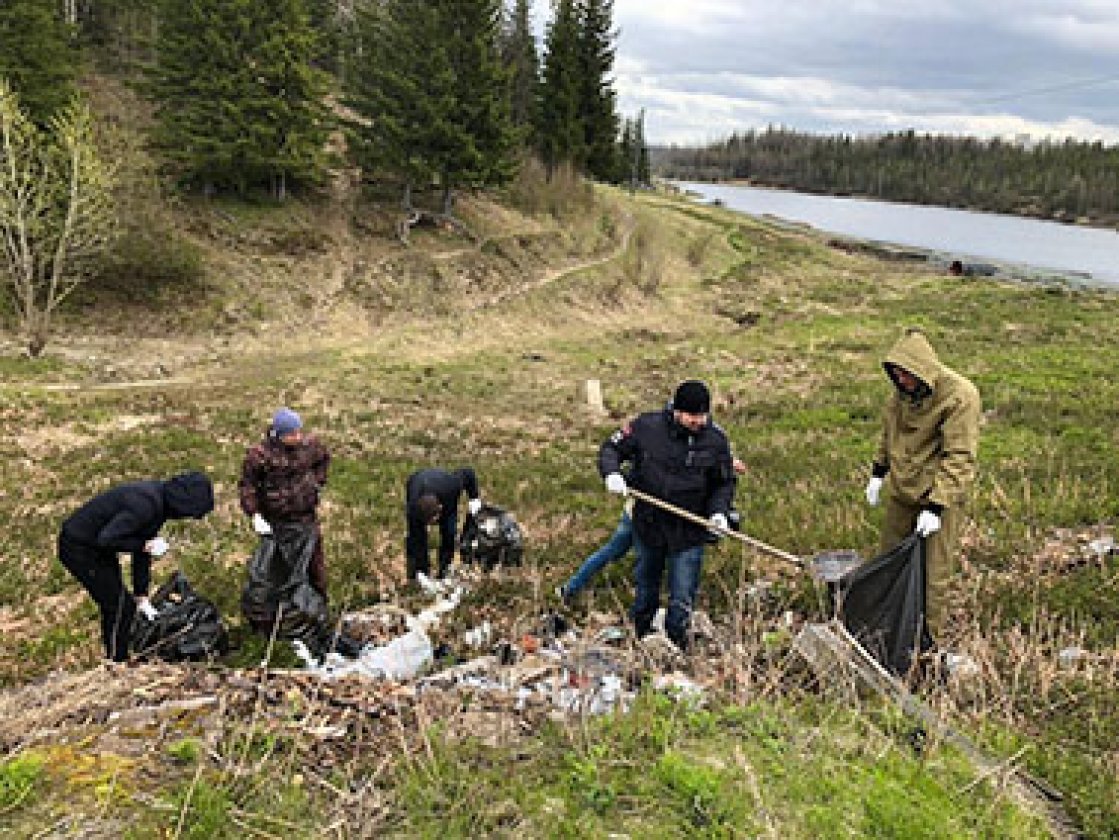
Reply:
x=383, y=700
x=557, y=666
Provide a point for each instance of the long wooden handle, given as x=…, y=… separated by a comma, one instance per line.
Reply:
x=726, y=532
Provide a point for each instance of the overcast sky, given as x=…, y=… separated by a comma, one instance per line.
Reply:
x=704, y=68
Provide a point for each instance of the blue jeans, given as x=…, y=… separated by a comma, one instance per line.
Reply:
x=683, y=582
x=613, y=549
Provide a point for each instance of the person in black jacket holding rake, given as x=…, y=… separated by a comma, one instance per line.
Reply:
x=678, y=456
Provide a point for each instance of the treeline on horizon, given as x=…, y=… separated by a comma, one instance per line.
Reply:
x=245, y=94
x=1065, y=180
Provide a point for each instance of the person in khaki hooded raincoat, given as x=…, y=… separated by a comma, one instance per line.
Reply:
x=927, y=457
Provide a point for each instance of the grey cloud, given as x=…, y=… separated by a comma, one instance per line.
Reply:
x=870, y=65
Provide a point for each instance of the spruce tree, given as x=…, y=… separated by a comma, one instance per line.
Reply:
x=238, y=105
x=393, y=81
x=485, y=154
x=559, y=132
x=38, y=56
x=518, y=50
x=597, y=98
x=430, y=91
x=326, y=22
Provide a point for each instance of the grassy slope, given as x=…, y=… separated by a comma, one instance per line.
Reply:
x=401, y=359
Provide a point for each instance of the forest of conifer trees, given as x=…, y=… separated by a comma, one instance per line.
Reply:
x=444, y=95
x=1068, y=180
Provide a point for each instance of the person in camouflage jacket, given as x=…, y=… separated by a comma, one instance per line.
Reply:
x=281, y=479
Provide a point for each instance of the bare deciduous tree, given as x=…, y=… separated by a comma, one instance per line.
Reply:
x=56, y=210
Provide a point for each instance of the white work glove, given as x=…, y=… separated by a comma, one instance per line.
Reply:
x=873, y=489
x=474, y=505
x=718, y=521
x=615, y=483
x=928, y=523
x=145, y=608
x=260, y=525
x=156, y=546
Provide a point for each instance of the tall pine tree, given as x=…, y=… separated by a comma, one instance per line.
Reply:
x=518, y=50
x=634, y=153
x=481, y=100
x=559, y=132
x=239, y=106
x=38, y=56
x=597, y=99
x=398, y=80
x=430, y=91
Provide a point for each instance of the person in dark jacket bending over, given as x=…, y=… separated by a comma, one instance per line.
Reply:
x=679, y=456
x=432, y=496
x=127, y=518
x=281, y=479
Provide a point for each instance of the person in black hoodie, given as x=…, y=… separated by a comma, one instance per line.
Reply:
x=679, y=456
x=431, y=496
x=127, y=518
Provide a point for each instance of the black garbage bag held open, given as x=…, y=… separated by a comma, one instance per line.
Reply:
x=279, y=584
x=187, y=627
x=882, y=604
x=491, y=537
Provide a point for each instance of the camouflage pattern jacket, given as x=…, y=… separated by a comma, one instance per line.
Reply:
x=281, y=482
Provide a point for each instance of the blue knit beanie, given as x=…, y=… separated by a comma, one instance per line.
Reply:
x=285, y=421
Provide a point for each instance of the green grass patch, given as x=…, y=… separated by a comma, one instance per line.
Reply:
x=677, y=772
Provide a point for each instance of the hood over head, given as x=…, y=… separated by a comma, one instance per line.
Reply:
x=190, y=494
x=914, y=353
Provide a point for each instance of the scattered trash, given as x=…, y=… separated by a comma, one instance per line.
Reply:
x=479, y=636
x=960, y=666
x=1103, y=547
x=401, y=659
x=429, y=618
x=679, y=686
x=610, y=635
x=831, y=566
x=434, y=586
x=553, y=624
x=661, y=651
x=1070, y=656
x=505, y=652
x=701, y=626
x=591, y=683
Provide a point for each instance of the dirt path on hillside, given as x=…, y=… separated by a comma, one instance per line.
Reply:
x=195, y=366
x=556, y=274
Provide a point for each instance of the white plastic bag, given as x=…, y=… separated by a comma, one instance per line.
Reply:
x=402, y=658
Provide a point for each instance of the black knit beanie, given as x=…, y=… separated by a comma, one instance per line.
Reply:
x=692, y=397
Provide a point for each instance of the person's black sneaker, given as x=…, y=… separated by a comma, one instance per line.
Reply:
x=566, y=598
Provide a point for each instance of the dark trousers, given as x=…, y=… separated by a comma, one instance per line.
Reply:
x=99, y=572
x=416, y=544
x=684, y=569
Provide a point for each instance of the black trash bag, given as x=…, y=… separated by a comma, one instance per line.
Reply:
x=279, y=585
x=188, y=626
x=882, y=604
x=491, y=537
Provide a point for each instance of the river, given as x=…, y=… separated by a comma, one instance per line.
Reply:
x=955, y=234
